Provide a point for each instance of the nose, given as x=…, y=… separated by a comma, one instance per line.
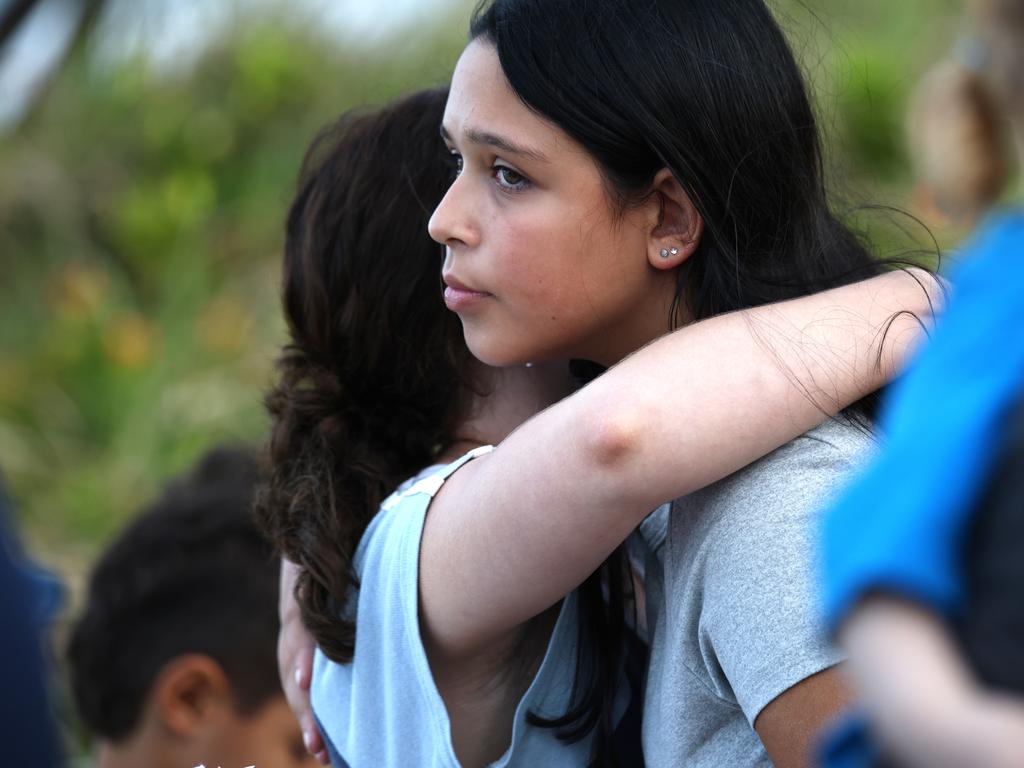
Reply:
x=451, y=222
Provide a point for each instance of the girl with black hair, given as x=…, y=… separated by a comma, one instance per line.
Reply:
x=627, y=168
x=443, y=637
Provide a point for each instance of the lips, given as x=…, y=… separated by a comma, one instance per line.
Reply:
x=459, y=297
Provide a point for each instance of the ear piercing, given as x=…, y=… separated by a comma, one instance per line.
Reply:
x=666, y=252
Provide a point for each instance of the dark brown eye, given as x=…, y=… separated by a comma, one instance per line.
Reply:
x=455, y=161
x=510, y=179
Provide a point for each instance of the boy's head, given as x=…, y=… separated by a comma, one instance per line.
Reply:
x=173, y=660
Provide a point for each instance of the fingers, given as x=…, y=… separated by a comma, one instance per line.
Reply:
x=304, y=664
x=295, y=650
x=303, y=678
x=312, y=739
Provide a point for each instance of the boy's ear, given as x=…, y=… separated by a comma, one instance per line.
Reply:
x=677, y=232
x=189, y=690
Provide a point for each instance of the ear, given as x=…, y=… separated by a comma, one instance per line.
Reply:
x=190, y=691
x=678, y=229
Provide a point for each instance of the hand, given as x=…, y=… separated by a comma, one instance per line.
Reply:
x=295, y=648
x=993, y=729
x=920, y=696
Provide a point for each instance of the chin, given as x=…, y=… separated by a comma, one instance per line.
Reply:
x=497, y=358
x=503, y=347
x=489, y=350
x=504, y=356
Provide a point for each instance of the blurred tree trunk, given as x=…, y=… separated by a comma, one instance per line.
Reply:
x=17, y=13
x=13, y=15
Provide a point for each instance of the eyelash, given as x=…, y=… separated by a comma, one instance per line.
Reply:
x=509, y=186
x=456, y=160
x=496, y=173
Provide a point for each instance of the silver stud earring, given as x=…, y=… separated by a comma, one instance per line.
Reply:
x=674, y=251
x=664, y=253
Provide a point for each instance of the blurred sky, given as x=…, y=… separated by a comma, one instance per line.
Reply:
x=173, y=33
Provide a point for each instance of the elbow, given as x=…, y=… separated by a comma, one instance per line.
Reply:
x=614, y=437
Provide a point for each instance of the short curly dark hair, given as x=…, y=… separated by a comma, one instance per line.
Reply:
x=191, y=574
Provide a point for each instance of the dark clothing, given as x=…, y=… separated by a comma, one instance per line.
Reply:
x=939, y=518
x=26, y=721
x=992, y=629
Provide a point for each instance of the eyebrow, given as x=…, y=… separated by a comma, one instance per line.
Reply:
x=477, y=136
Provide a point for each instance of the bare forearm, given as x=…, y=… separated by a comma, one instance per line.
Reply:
x=724, y=392
x=527, y=524
x=920, y=697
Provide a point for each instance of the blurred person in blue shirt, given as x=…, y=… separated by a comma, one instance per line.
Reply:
x=28, y=599
x=924, y=555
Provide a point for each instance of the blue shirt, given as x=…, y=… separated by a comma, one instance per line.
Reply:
x=901, y=527
x=28, y=725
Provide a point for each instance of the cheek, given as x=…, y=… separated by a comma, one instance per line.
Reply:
x=614, y=258
x=543, y=260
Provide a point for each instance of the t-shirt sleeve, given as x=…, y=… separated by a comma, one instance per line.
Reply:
x=761, y=626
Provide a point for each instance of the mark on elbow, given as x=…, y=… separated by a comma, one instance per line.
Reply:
x=615, y=437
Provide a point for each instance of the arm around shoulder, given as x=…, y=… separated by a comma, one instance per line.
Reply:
x=511, y=533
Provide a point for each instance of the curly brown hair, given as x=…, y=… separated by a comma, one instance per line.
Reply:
x=373, y=380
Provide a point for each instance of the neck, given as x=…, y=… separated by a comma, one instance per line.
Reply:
x=130, y=753
x=456, y=449
x=638, y=325
x=512, y=396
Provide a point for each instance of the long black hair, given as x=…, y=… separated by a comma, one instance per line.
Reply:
x=710, y=90
x=371, y=384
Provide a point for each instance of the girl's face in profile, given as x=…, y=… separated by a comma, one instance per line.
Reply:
x=539, y=265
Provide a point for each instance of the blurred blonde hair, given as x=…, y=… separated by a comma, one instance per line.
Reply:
x=967, y=111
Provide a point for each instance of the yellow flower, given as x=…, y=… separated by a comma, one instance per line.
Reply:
x=129, y=341
x=223, y=325
x=78, y=290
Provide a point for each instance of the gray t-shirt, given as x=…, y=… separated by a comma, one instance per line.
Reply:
x=732, y=603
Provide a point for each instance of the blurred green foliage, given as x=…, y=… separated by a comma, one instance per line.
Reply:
x=141, y=219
